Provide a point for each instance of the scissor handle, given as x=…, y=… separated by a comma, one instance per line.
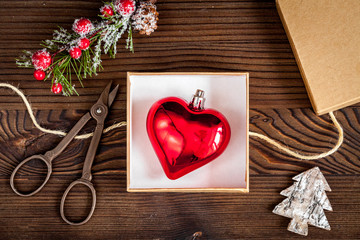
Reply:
x=62, y=204
x=44, y=159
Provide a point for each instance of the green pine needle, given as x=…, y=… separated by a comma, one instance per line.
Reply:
x=63, y=67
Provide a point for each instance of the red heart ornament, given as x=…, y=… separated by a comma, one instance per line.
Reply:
x=186, y=136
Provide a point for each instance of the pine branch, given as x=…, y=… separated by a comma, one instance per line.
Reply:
x=103, y=37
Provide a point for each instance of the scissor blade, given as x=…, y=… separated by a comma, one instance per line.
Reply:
x=112, y=95
x=105, y=94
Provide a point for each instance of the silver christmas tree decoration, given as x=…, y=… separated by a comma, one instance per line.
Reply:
x=305, y=202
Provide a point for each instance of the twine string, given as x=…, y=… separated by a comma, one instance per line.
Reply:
x=301, y=156
x=253, y=134
x=56, y=132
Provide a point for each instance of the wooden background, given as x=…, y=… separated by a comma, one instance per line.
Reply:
x=198, y=35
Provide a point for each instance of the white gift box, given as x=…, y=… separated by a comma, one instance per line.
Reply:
x=224, y=92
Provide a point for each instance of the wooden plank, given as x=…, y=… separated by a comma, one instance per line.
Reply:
x=176, y=215
x=299, y=129
x=121, y=215
x=206, y=36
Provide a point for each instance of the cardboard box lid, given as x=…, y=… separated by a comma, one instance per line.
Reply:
x=325, y=38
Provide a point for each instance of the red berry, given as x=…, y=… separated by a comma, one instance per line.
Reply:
x=41, y=59
x=125, y=7
x=75, y=52
x=39, y=75
x=84, y=43
x=56, y=88
x=82, y=26
x=106, y=11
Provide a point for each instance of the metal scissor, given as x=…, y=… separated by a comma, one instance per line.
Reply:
x=98, y=111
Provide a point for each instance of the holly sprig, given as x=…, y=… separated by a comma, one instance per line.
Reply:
x=65, y=62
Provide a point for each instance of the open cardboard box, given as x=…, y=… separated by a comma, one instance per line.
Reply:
x=324, y=36
x=224, y=92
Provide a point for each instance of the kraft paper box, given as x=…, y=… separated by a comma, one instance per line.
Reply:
x=325, y=38
x=224, y=92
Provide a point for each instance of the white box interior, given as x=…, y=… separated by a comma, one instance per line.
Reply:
x=224, y=93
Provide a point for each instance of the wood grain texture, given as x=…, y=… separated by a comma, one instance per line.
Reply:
x=192, y=36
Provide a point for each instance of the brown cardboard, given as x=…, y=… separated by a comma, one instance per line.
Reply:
x=216, y=189
x=325, y=38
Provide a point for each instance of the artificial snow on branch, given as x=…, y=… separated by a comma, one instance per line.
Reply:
x=79, y=51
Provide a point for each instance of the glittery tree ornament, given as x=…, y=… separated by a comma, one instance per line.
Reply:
x=305, y=202
x=145, y=18
x=41, y=59
x=82, y=26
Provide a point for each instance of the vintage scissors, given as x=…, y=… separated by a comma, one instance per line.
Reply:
x=99, y=112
